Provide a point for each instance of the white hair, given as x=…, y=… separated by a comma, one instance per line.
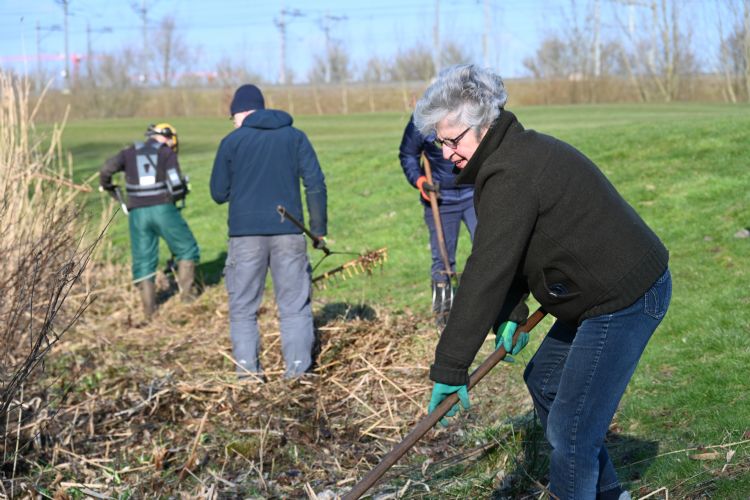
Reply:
x=466, y=93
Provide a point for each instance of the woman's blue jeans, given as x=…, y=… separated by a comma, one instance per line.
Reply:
x=577, y=378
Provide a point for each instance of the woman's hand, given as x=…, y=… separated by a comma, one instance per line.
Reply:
x=504, y=337
x=442, y=391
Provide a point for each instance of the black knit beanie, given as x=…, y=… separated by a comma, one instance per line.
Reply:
x=245, y=98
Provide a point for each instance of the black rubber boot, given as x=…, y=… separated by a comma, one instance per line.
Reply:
x=442, y=300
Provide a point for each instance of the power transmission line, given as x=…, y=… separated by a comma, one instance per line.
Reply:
x=281, y=23
x=64, y=4
x=325, y=25
x=89, y=50
x=436, y=37
x=143, y=12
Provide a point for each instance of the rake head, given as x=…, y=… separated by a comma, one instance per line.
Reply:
x=365, y=263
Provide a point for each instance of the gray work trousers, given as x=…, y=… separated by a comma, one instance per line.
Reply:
x=248, y=260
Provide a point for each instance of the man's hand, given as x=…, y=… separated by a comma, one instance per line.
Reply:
x=442, y=391
x=504, y=337
x=319, y=242
x=425, y=188
x=110, y=190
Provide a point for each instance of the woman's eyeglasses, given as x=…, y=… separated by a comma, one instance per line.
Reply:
x=451, y=143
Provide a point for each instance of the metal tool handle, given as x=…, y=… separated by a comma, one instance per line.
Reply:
x=319, y=241
x=433, y=418
x=116, y=193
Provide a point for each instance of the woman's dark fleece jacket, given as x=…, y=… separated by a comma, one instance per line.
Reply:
x=549, y=222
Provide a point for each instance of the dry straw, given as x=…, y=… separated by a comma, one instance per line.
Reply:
x=157, y=409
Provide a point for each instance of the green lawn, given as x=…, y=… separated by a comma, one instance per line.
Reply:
x=684, y=167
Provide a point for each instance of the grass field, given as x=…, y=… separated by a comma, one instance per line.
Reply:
x=685, y=168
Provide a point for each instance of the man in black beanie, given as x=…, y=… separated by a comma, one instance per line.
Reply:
x=257, y=168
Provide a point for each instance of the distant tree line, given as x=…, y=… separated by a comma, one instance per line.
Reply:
x=658, y=61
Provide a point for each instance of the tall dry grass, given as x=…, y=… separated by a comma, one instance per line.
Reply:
x=42, y=253
x=357, y=97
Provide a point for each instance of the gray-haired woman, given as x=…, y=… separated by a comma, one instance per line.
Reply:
x=549, y=223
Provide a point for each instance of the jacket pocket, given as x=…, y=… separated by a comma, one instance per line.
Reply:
x=229, y=267
x=558, y=286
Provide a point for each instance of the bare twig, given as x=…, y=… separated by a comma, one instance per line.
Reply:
x=191, y=458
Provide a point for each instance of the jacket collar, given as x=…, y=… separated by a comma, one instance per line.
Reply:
x=267, y=119
x=490, y=143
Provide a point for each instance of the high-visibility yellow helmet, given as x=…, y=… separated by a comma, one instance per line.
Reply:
x=165, y=130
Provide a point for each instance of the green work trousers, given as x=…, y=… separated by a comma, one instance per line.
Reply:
x=147, y=224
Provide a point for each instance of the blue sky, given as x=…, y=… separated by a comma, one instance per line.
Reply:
x=245, y=31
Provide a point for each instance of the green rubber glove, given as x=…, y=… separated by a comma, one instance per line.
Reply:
x=442, y=391
x=504, y=337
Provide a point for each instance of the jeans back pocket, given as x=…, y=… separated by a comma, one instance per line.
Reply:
x=656, y=300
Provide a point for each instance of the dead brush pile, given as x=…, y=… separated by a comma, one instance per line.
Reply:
x=157, y=411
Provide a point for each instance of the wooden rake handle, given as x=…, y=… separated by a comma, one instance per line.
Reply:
x=438, y=222
x=318, y=241
x=433, y=418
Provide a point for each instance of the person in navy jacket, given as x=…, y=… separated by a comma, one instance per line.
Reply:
x=455, y=204
x=258, y=167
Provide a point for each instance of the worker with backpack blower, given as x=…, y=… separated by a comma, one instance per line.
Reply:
x=154, y=185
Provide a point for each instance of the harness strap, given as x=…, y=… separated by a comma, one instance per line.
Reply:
x=138, y=187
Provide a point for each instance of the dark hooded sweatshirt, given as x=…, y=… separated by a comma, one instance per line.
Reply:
x=258, y=167
x=549, y=222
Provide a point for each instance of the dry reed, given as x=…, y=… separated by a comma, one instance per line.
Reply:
x=43, y=255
